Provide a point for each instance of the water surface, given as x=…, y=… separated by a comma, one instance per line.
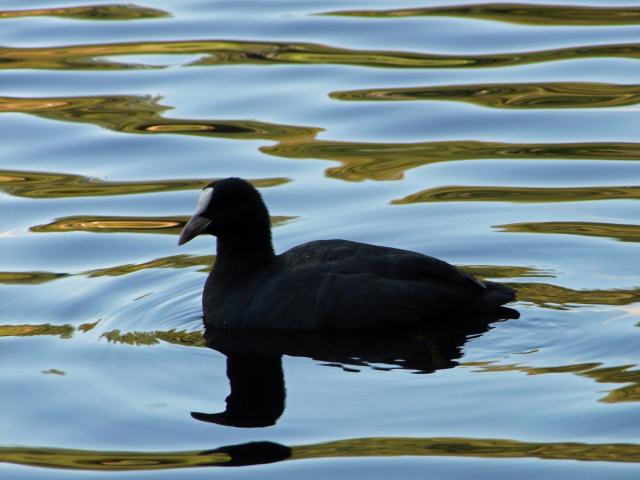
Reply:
x=501, y=137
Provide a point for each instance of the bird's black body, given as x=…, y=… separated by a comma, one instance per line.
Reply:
x=324, y=284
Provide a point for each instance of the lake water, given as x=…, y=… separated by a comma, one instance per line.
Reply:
x=504, y=139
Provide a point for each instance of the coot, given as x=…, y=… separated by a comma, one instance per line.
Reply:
x=323, y=284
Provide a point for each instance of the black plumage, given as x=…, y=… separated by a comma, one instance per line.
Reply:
x=323, y=284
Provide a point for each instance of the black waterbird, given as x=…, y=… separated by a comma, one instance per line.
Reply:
x=323, y=284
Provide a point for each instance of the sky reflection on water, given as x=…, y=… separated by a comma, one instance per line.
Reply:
x=112, y=117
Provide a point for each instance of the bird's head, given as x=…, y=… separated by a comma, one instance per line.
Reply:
x=230, y=208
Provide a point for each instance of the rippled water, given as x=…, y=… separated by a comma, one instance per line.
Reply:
x=501, y=137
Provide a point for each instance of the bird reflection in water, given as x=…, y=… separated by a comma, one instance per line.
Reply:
x=254, y=360
x=257, y=395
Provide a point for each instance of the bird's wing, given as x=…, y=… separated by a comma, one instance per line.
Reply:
x=346, y=257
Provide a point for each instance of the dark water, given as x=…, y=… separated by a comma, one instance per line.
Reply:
x=501, y=137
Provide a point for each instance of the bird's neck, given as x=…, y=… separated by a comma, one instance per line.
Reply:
x=240, y=256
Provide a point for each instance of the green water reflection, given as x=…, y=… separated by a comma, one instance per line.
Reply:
x=173, y=261
x=255, y=453
x=187, y=339
x=143, y=114
x=562, y=298
x=89, y=12
x=63, y=185
x=617, y=231
x=519, y=194
x=121, y=224
x=114, y=224
x=524, y=13
x=27, y=330
x=359, y=160
x=389, y=161
x=232, y=52
x=504, y=271
x=135, y=338
x=595, y=371
x=509, y=95
x=29, y=278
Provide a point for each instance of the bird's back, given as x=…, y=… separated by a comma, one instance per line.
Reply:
x=339, y=284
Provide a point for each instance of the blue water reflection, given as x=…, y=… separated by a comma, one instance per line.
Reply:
x=101, y=325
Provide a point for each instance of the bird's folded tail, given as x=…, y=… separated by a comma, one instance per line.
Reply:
x=495, y=295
